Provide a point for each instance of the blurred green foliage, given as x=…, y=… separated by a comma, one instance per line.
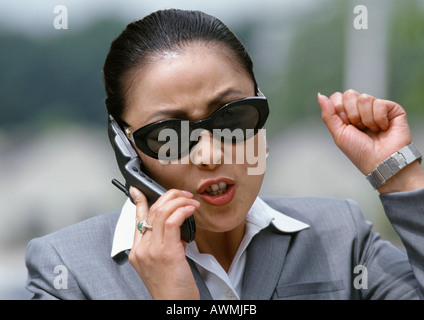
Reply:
x=58, y=79
x=315, y=64
x=55, y=80
x=406, y=56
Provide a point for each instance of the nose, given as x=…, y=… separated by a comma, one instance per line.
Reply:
x=207, y=153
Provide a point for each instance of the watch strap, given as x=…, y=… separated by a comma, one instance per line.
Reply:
x=393, y=164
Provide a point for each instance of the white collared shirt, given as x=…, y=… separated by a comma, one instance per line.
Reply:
x=221, y=285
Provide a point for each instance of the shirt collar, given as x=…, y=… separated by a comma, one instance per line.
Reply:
x=124, y=230
x=260, y=214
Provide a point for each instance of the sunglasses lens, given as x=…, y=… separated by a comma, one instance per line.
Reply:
x=167, y=133
x=240, y=120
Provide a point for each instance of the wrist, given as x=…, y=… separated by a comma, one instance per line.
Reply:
x=393, y=165
x=409, y=178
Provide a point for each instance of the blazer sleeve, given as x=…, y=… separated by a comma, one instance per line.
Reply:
x=405, y=211
x=48, y=276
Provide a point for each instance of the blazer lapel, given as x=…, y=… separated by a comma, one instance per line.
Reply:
x=265, y=259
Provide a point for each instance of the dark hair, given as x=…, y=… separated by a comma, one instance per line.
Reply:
x=164, y=30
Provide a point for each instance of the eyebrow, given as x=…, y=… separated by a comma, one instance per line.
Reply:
x=181, y=114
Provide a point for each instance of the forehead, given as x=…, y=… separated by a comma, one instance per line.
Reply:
x=186, y=80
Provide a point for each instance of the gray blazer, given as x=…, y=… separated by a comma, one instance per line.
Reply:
x=338, y=257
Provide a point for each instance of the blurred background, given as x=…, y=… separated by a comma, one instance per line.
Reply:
x=55, y=160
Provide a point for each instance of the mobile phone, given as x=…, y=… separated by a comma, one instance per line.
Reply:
x=130, y=166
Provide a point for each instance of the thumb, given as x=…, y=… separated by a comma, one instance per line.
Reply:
x=328, y=114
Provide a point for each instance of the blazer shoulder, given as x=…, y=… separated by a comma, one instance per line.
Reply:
x=82, y=254
x=91, y=232
x=319, y=211
x=308, y=204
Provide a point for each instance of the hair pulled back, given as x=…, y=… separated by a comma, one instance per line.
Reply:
x=163, y=31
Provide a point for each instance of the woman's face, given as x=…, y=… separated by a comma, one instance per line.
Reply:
x=192, y=84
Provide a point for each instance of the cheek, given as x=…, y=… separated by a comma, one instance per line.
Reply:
x=250, y=155
x=169, y=176
x=249, y=188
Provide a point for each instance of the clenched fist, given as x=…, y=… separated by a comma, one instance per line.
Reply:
x=368, y=131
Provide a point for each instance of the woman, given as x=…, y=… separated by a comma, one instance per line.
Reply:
x=187, y=65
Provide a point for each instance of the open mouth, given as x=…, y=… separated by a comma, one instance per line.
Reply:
x=217, y=192
x=217, y=189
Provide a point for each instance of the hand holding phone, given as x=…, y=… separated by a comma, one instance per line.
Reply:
x=130, y=166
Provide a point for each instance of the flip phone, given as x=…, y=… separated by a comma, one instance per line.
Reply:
x=131, y=168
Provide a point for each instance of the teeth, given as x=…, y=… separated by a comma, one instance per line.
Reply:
x=216, y=189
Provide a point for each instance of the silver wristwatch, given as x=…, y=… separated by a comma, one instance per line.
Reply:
x=392, y=165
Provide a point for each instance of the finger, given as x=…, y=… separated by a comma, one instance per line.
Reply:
x=160, y=209
x=174, y=200
x=161, y=201
x=172, y=232
x=337, y=100
x=365, y=108
x=350, y=99
x=142, y=209
x=331, y=119
x=381, y=114
x=170, y=194
x=393, y=109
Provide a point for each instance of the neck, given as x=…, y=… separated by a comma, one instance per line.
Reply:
x=222, y=245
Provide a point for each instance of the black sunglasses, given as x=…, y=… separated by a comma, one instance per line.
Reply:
x=234, y=122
